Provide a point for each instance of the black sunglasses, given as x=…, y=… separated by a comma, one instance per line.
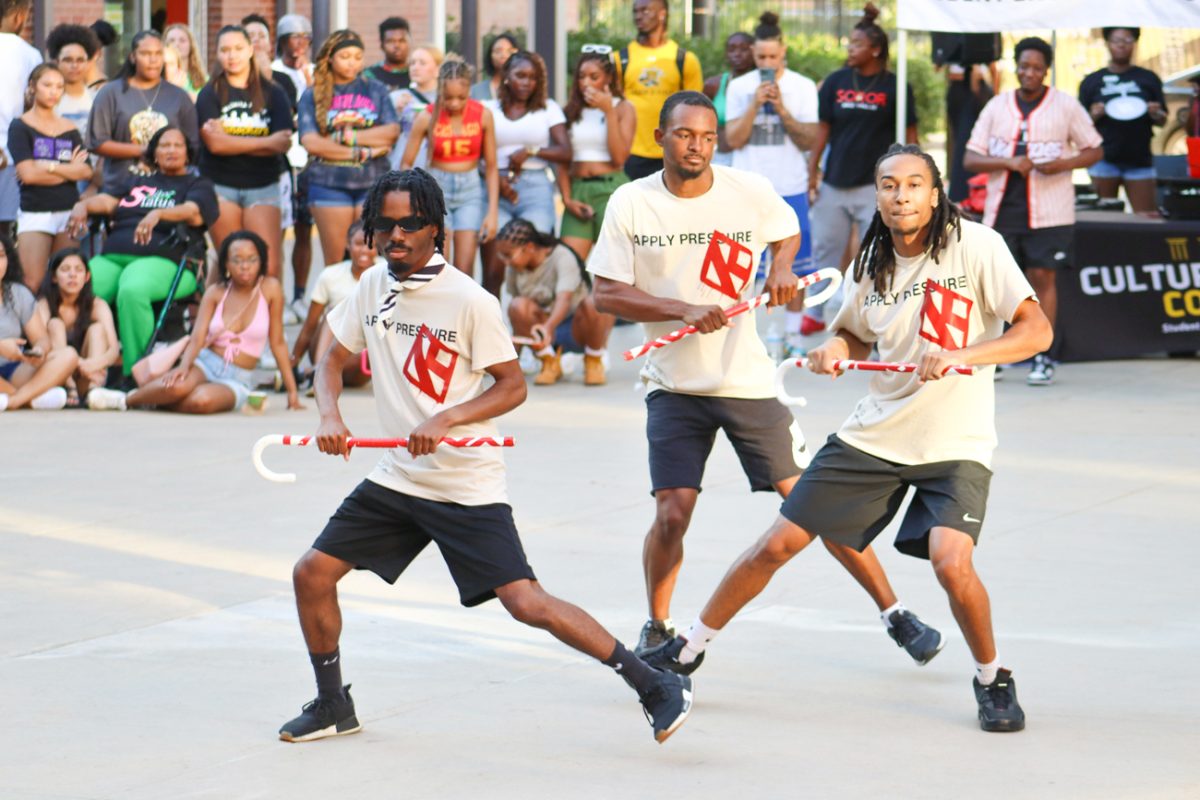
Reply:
x=382, y=226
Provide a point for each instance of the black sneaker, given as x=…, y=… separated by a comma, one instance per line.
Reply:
x=666, y=656
x=668, y=704
x=323, y=717
x=921, y=641
x=655, y=632
x=999, y=711
x=1042, y=371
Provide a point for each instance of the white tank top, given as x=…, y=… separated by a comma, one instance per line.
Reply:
x=589, y=136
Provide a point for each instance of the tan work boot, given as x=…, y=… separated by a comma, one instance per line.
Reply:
x=551, y=369
x=593, y=371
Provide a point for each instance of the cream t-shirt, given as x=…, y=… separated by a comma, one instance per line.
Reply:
x=704, y=251
x=976, y=288
x=335, y=283
x=439, y=338
x=558, y=273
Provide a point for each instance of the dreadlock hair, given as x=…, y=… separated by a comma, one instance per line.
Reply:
x=424, y=195
x=322, y=85
x=877, y=257
x=576, y=103
x=128, y=67
x=520, y=231
x=537, y=100
x=453, y=68
x=876, y=35
x=254, y=81
x=83, y=303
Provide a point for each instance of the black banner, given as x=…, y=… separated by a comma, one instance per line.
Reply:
x=1134, y=289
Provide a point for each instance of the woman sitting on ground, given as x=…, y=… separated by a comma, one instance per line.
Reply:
x=551, y=301
x=76, y=318
x=238, y=317
x=144, y=247
x=335, y=284
x=31, y=373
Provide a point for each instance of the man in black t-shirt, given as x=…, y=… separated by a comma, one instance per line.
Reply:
x=1125, y=102
x=394, y=41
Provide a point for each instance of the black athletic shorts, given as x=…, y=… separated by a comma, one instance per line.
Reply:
x=640, y=166
x=682, y=428
x=1047, y=248
x=383, y=530
x=848, y=497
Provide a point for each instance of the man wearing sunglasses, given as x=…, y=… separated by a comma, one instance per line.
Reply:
x=432, y=333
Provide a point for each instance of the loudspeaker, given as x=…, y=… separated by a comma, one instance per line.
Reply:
x=966, y=48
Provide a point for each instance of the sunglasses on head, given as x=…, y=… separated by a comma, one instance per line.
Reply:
x=383, y=226
x=601, y=49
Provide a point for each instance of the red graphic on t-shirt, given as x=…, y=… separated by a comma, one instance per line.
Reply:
x=945, y=316
x=430, y=365
x=727, y=273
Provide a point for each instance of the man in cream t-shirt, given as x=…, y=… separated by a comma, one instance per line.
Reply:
x=432, y=333
x=679, y=247
x=936, y=290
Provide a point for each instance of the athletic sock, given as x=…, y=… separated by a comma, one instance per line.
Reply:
x=637, y=673
x=587, y=351
x=698, y=636
x=886, y=614
x=328, y=669
x=986, y=673
x=791, y=321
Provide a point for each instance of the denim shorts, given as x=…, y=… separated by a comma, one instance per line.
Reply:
x=464, y=198
x=217, y=371
x=535, y=201
x=10, y=194
x=1107, y=169
x=332, y=197
x=245, y=198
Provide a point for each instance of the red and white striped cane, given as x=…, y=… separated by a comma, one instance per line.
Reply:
x=844, y=365
x=351, y=443
x=834, y=276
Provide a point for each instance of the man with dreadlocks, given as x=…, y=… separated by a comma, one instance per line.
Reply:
x=937, y=290
x=432, y=333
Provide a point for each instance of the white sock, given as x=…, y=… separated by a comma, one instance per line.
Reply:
x=545, y=351
x=791, y=321
x=698, y=636
x=986, y=673
x=886, y=614
x=588, y=351
x=3, y=401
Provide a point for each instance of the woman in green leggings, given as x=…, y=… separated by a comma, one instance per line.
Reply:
x=141, y=252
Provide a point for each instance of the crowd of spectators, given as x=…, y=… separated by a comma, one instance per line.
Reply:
x=108, y=184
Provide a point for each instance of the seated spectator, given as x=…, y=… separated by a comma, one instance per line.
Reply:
x=48, y=152
x=551, y=301
x=238, y=317
x=335, y=284
x=146, y=243
x=76, y=318
x=601, y=126
x=498, y=51
x=463, y=138
x=31, y=372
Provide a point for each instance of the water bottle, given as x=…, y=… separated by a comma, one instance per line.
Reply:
x=775, y=344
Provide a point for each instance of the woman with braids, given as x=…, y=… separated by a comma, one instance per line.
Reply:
x=246, y=127
x=76, y=318
x=551, y=301
x=858, y=122
x=933, y=289
x=435, y=337
x=132, y=107
x=531, y=134
x=463, y=136
x=601, y=126
x=348, y=125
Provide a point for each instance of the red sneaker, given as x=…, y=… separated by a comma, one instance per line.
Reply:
x=810, y=325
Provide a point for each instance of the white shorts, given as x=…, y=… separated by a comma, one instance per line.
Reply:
x=51, y=222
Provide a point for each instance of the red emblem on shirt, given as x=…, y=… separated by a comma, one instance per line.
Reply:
x=728, y=265
x=430, y=365
x=945, y=317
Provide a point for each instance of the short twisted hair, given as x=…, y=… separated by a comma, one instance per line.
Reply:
x=423, y=192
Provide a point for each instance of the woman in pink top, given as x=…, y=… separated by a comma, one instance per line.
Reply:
x=237, y=319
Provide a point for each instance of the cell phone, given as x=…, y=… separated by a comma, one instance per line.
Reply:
x=28, y=350
x=766, y=75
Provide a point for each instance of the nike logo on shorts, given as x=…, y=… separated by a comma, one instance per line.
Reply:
x=969, y=518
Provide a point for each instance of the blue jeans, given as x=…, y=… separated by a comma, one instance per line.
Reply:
x=464, y=198
x=535, y=201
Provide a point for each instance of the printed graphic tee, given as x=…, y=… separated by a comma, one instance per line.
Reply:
x=239, y=118
x=144, y=194
x=1126, y=141
x=701, y=250
x=770, y=151
x=651, y=78
x=124, y=113
x=964, y=298
x=861, y=113
x=359, y=104
x=27, y=143
x=437, y=341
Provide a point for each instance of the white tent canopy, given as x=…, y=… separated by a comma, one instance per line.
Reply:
x=989, y=16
